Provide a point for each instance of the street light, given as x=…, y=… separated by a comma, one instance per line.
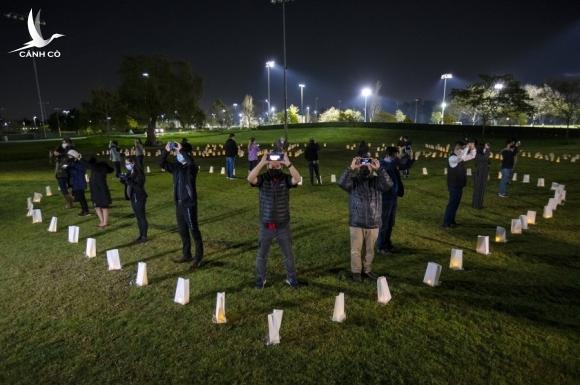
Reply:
x=302, y=85
x=269, y=64
x=34, y=119
x=498, y=86
x=444, y=77
x=145, y=74
x=283, y=2
x=366, y=92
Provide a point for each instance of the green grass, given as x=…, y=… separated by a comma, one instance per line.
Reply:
x=508, y=318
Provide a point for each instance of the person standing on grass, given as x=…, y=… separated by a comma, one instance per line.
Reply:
x=311, y=155
x=134, y=182
x=365, y=181
x=507, y=165
x=407, y=158
x=274, y=186
x=456, y=180
x=231, y=148
x=115, y=156
x=61, y=161
x=184, y=170
x=77, y=171
x=253, y=149
x=140, y=153
x=481, y=175
x=100, y=193
x=389, y=210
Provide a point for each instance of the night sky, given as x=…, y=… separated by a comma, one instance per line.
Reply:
x=335, y=47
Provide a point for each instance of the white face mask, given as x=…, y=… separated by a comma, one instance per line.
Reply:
x=64, y=145
x=129, y=166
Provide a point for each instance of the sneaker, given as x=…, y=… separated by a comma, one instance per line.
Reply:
x=371, y=275
x=293, y=283
x=502, y=195
x=260, y=284
x=84, y=214
x=356, y=277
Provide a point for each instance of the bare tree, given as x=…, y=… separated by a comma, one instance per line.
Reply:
x=376, y=100
x=247, y=110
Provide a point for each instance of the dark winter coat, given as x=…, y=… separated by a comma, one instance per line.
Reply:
x=184, y=180
x=231, y=148
x=311, y=152
x=100, y=194
x=77, y=171
x=274, y=197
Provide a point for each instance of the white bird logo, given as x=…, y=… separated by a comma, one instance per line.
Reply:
x=34, y=30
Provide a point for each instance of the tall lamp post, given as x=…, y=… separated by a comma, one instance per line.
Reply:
x=443, y=104
x=366, y=92
x=302, y=85
x=283, y=2
x=269, y=64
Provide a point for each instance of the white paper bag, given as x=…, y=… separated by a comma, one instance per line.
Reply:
x=274, y=323
x=53, y=225
x=499, y=175
x=223, y=171
x=219, y=316
x=456, y=260
x=211, y=169
x=300, y=182
x=141, y=274
x=445, y=171
x=73, y=234
x=339, y=314
x=182, y=291
x=531, y=215
x=540, y=182
x=554, y=186
x=526, y=178
x=548, y=212
x=332, y=178
x=29, y=203
x=87, y=178
x=516, y=226
x=482, y=246
x=91, y=248
x=432, y=274
x=425, y=171
x=36, y=216
x=515, y=177
x=148, y=170
x=553, y=203
x=113, y=259
x=500, y=235
x=37, y=197
x=48, y=191
x=524, y=222
x=383, y=291
x=468, y=172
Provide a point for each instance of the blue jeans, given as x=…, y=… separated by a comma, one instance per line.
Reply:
x=284, y=237
x=452, y=206
x=388, y=222
x=506, y=174
x=230, y=162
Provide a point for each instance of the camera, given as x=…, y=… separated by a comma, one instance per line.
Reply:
x=274, y=155
x=365, y=161
x=172, y=146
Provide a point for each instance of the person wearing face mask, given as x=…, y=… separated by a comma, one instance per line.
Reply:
x=365, y=182
x=77, y=171
x=115, y=156
x=140, y=153
x=61, y=162
x=274, y=196
x=184, y=172
x=134, y=182
x=100, y=193
x=389, y=163
x=456, y=180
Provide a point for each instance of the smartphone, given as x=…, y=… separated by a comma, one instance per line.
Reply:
x=275, y=156
x=365, y=161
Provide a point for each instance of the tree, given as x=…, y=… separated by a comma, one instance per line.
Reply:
x=152, y=85
x=399, y=116
x=104, y=109
x=493, y=97
x=563, y=99
x=385, y=117
x=539, y=100
x=350, y=115
x=375, y=101
x=221, y=113
x=330, y=115
x=293, y=116
x=247, y=110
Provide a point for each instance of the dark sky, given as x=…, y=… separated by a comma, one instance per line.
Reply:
x=335, y=47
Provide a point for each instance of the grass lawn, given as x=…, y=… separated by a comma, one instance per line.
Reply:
x=512, y=317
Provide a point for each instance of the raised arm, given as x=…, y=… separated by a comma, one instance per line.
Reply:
x=165, y=164
x=293, y=170
x=253, y=175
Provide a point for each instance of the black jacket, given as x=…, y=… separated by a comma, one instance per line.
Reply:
x=311, y=152
x=456, y=176
x=365, y=202
x=274, y=197
x=231, y=148
x=184, y=180
x=135, y=185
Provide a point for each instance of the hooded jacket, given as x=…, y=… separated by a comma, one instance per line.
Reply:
x=184, y=180
x=365, y=196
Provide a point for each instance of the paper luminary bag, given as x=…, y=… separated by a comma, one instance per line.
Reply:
x=300, y=182
x=524, y=221
x=516, y=226
x=553, y=203
x=515, y=177
x=499, y=175
x=482, y=246
x=182, y=291
x=211, y=169
x=53, y=225
x=531, y=215
x=526, y=178
x=36, y=216
x=548, y=212
x=48, y=191
x=432, y=274
x=339, y=315
x=141, y=274
x=29, y=203
x=234, y=172
x=223, y=171
x=274, y=323
x=554, y=186
x=445, y=171
x=383, y=291
x=332, y=178
x=37, y=197
x=87, y=179
x=425, y=171
x=73, y=234
x=540, y=182
x=456, y=260
x=113, y=259
x=91, y=248
x=219, y=316
x=468, y=171
x=500, y=235
x=148, y=170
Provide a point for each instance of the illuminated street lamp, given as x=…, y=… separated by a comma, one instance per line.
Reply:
x=498, y=86
x=269, y=64
x=366, y=92
x=302, y=85
x=444, y=77
x=145, y=74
